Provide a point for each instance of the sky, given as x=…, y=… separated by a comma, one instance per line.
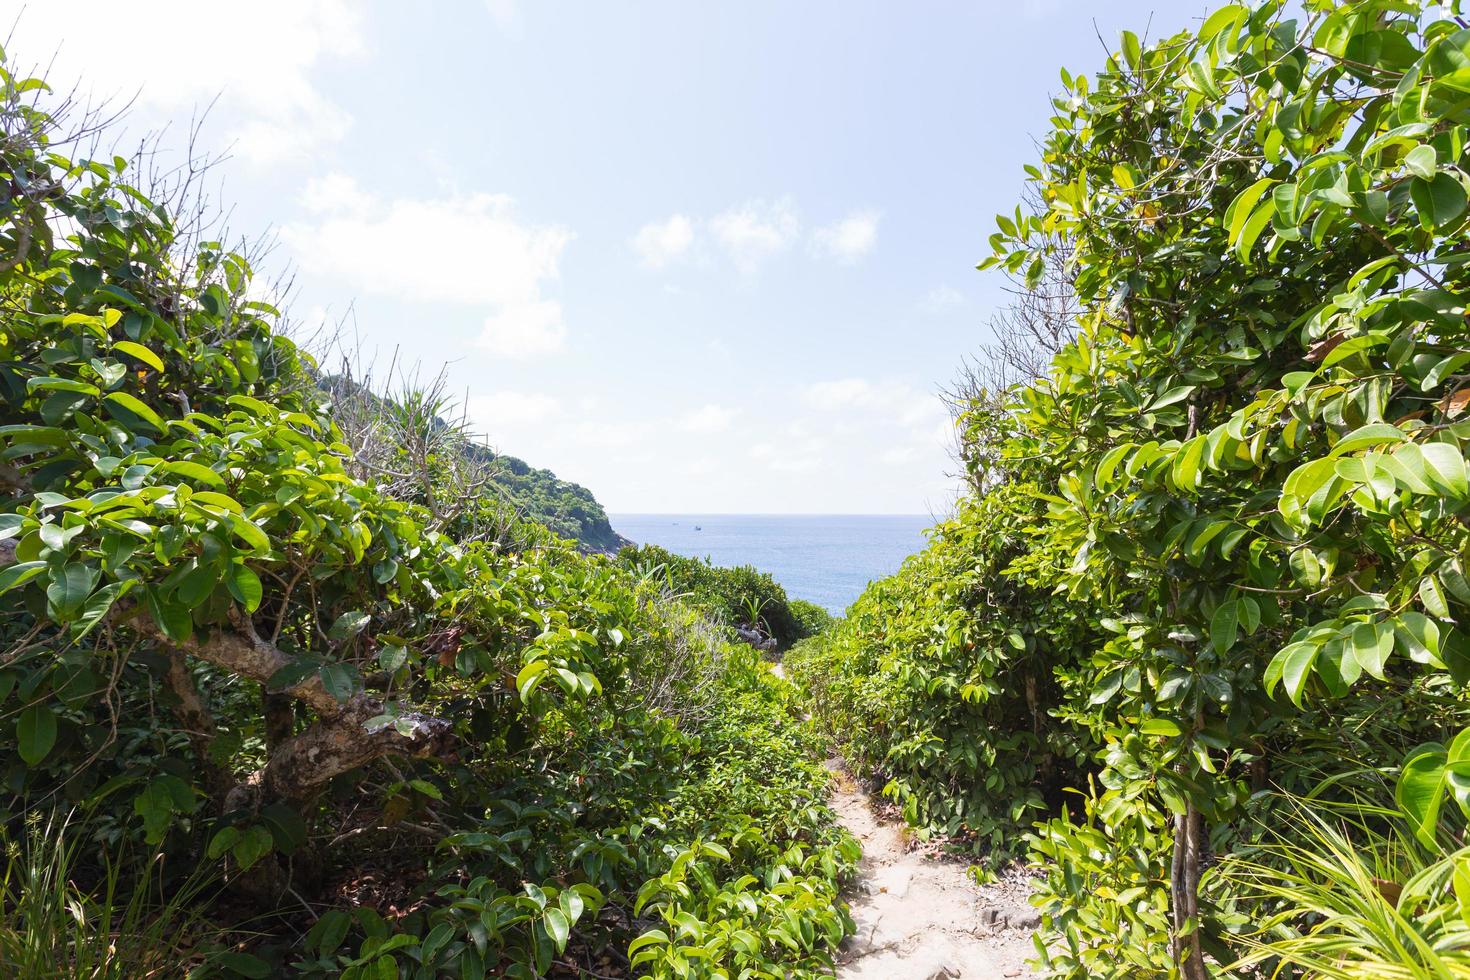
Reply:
x=699, y=257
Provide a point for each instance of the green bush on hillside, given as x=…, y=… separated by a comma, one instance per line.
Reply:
x=737, y=595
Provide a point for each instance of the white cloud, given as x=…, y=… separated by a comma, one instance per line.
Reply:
x=897, y=400
x=258, y=60
x=849, y=239
x=525, y=330
x=941, y=299
x=660, y=242
x=830, y=396
x=710, y=418
x=755, y=231
x=334, y=192
x=502, y=409
x=484, y=256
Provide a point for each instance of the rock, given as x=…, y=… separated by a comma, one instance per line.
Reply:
x=1024, y=920
x=945, y=971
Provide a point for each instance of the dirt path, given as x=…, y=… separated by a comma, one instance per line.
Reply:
x=920, y=917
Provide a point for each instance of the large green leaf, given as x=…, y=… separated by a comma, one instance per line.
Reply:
x=35, y=733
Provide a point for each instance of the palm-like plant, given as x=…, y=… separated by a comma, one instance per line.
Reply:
x=1358, y=898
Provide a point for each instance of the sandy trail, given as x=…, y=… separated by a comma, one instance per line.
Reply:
x=921, y=917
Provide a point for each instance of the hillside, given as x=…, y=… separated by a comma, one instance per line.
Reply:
x=569, y=509
x=385, y=422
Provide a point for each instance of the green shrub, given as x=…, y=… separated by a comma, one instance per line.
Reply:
x=939, y=679
x=1243, y=482
x=245, y=653
x=737, y=595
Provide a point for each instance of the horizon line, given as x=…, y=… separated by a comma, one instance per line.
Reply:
x=761, y=513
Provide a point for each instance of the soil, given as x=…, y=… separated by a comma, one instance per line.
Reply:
x=920, y=916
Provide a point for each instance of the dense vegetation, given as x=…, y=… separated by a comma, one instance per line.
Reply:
x=279, y=696
x=1215, y=555
x=410, y=427
x=567, y=508
x=740, y=596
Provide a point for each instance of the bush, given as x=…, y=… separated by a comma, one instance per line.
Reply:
x=247, y=655
x=1243, y=483
x=939, y=680
x=739, y=595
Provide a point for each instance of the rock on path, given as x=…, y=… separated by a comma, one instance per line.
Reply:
x=920, y=917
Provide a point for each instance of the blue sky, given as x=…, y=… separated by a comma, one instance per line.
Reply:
x=699, y=257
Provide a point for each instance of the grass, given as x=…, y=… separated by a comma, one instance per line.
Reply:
x=125, y=924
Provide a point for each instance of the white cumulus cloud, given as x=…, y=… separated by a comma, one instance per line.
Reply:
x=501, y=409
x=941, y=299
x=258, y=60
x=484, y=256
x=755, y=231
x=525, y=330
x=709, y=418
x=849, y=239
x=660, y=242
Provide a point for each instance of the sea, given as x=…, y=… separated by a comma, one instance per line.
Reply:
x=826, y=559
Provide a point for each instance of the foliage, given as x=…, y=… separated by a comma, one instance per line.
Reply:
x=52, y=926
x=410, y=441
x=740, y=595
x=939, y=677
x=1355, y=895
x=1250, y=463
x=247, y=655
x=811, y=618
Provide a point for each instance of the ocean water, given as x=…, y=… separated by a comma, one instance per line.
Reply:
x=826, y=559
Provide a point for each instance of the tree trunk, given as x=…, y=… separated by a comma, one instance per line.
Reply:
x=1184, y=894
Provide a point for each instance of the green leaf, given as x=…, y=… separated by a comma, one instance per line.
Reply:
x=391, y=656
x=1420, y=790
x=1372, y=644
x=1252, y=231
x=1227, y=17
x=530, y=678
x=1159, y=726
x=1439, y=201
x=245, y=586
x=138, y=352
x=340, y=681
x=426, y=788
x=1422, y=161
x=131, y=408
x=1445, y=467
x=1305, y=568
x=173, y=618
x=98, y=606
x=245, y=964
x=557, y=928
x=194, y=471
x=62, y=384
x=436, y=940
x=1224, y=626
x=254, y=844
x=1170, y=397
x=35, y=733
x=222, y=841
x=348, y=625
x=17, y=575
x=71, y=584
x=1292, y=666
x=1376, y=434
x=1432, y=598
x=1419, y=636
